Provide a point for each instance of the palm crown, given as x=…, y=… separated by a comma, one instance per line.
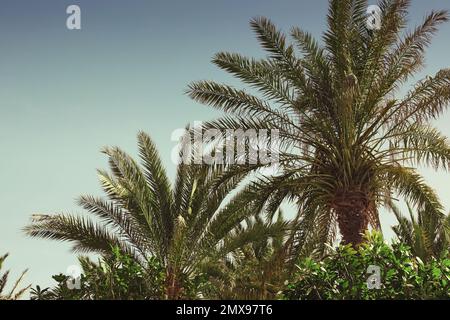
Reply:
x=145, y=217
x=347, y=141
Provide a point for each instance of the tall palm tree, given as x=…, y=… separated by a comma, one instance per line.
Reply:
x=427, y=235
x=146, y=217
x=14, y=293
x=349, y=143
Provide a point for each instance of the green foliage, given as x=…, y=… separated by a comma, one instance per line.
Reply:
x=38, y=293
x=121, y=278
x=178, y=226
x=255, y=270
x=348, y=142
x=343, y=274
x=428, y=235
x=117, y=277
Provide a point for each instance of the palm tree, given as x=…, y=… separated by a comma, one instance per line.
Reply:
x=256, y=269
x=38, y=293
x=14, y=293
x=348, y=143
x=427, y=235
x=147, y=218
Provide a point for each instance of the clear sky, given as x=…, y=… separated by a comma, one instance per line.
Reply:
x=65, y=94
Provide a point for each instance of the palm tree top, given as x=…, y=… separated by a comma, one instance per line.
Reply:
x=349, y=142
x=181, y=225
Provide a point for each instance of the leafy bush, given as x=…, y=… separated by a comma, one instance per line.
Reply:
x=343, y=274
x=117, y=277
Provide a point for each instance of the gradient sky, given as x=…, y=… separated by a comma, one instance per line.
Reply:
x=65, y=94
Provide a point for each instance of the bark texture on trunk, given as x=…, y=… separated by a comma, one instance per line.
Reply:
x=173, y=288
x=352, y=215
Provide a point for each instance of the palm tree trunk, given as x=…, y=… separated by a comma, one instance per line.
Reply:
x=173, y=288
x=352, y=215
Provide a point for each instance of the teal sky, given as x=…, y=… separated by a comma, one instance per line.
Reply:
x=65, y=94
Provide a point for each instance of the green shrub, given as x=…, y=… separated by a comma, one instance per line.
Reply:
x=117, y=277
x=343, y=274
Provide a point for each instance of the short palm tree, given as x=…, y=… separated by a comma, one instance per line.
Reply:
x=39, y=293
x=427, y=235
x=256, y=269
x=348, y=142
x=146, y=217
x=14, y=293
